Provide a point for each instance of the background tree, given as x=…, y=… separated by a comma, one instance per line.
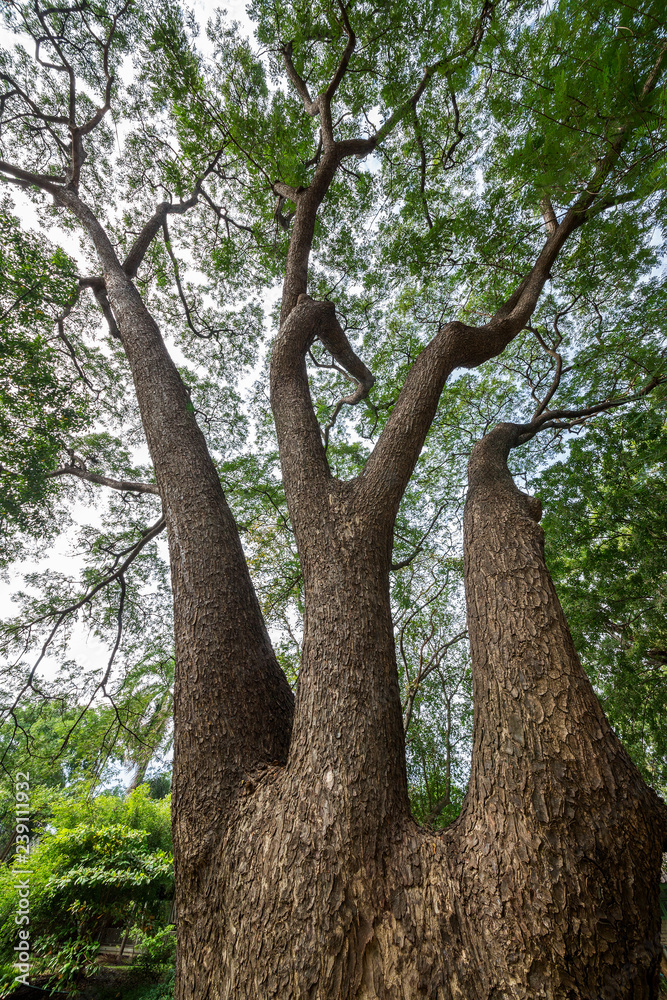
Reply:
x=605, y=550
x=514, y=169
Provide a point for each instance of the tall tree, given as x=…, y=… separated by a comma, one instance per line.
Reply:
x=514, y=166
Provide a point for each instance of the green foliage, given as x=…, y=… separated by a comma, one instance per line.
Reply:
x=97, y=862
x=39, y=407
x=137, y=812
x=151, y=991
x=157, y=948
x=606, y=535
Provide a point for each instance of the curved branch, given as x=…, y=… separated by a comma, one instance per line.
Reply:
x=335, y=341
x=125, y=485
x=152, y=227
x=302, y=455
x=425, y=671
x=26, y=178
x=345, y=58
x=99, y=290
x=565, y=419
x=420, y=544
x=203, y=334
x=549, y=216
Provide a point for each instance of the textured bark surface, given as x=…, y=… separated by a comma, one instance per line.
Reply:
x=299, y=871
x=232, y=704
x=562, y=837
x=547, y=884
x=300, y=874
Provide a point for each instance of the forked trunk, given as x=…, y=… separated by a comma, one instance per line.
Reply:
x=546, y=886
x=300, y=873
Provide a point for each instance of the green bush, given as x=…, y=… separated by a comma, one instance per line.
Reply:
x=157, y=949
x=89, y=875
x=152, y=991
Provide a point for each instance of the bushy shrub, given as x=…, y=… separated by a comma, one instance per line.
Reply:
x=86, y=876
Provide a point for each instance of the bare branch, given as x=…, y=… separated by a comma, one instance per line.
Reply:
x=210, y=331
x=335, y=341
x=425, y=671
x=99, y=290
x=566, y=419
x=81, y=472
x=422, y=169
x=152, y=227
x=286, y=191
x=420, y=544
x=552, y=352
x=116, y=574
x=283, y=221
x=447, y=157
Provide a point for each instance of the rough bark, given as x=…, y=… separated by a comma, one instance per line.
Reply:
x=300, y=873
x=232, y=704
x=325, y=888
x=562, y=837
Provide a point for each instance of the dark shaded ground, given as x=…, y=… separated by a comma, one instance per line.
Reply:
x=35, y=991
x=107, y=984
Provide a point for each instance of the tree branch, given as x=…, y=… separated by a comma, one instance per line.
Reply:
x=553, y=419
x=420, y=545
x=152, y=227
x=345, y=58
x=335, y=341
x=309, y=200
x=28, y=179
x=116, y=574
x=425, y=671
x=302, y=454
x=125, y=485
x=457, y=345
x=549, y=216
x=311, y=106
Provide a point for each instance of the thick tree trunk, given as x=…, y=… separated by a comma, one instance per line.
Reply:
x=300, y=873
x=547, y=884
x=562, y=837
x=232, y=704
